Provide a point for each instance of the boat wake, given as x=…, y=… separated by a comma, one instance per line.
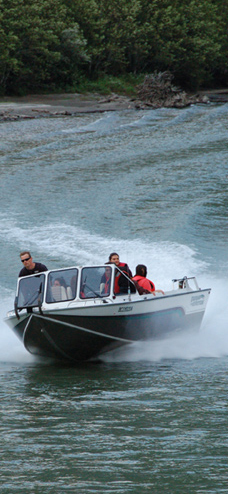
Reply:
x=210, y=342
x=11, y=349
x=76, y=246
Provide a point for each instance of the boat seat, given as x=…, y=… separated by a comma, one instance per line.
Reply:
x=69, y=292
x=59, y=293
x=102, y=287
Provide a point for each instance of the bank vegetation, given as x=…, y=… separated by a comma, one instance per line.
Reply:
x=75, y=45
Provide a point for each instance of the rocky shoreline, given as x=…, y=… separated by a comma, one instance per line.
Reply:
x=54, y=106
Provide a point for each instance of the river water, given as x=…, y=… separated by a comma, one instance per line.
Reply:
x=151, y=185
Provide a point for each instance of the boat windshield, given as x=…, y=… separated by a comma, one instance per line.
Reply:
x=95, y=282
x=30, y=291
x=61, y=285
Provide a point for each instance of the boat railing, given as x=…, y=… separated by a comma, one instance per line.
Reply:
x=183, y=283
x=130, y=284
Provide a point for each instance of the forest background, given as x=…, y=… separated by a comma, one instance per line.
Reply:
x=86, y=45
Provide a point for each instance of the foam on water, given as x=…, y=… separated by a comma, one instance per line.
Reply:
x=11, y=349
x=108, y=122
x=124, y=120
x=210, y=342
x=59, y=245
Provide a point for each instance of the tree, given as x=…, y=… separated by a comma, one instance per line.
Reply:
x=114, y=41
x=49, y=43
x=87, y=16
x=185, y=38
x=182, y=36
x=74, y=55
x=8, y=44
x=31, y=30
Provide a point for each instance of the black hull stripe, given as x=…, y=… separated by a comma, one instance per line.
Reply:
x=124, y=340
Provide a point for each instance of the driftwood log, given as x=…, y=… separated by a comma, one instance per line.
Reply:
x=157, y=90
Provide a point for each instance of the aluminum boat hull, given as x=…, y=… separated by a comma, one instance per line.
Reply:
x=83, y=331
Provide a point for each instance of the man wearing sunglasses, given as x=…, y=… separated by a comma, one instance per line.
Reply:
x=30, y=267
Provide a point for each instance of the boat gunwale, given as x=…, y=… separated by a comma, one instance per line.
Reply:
x=113, y=303
x=122, y=302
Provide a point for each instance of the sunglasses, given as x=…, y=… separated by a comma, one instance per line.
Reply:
x=27, y=259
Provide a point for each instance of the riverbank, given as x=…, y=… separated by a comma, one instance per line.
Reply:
x=58, y=105
x=55, y=105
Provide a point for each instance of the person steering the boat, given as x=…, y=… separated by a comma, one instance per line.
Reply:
x=30, y=267
x=121, y=282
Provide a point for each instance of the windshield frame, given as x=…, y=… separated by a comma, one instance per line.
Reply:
x=38, y=290
x=69, y=290
x=89, y=290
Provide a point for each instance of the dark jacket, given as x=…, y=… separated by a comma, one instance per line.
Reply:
x=122, y=284
x=39, y=268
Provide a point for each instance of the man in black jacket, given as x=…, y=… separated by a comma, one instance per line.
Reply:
x=30, y=267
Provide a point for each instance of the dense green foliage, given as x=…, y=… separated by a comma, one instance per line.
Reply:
x=50, y=45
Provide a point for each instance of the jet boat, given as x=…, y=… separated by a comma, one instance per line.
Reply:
x=73, y=314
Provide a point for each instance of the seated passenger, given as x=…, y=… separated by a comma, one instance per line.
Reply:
x=105, y=282
x=141, y=280
x=57, y=282
x=121, y=282
x=58, y=290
